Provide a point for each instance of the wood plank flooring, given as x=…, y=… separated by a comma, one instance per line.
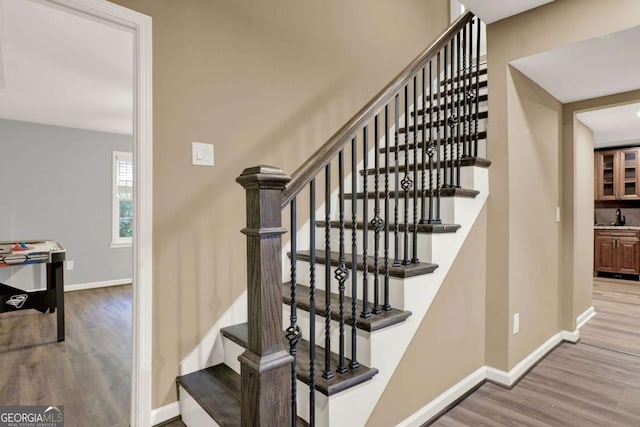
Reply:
x=593, y=383
x=89, y=373
x=616, y=324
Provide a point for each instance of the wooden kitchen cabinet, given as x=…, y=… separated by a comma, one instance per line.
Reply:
x=617, y=251
x=617, y=174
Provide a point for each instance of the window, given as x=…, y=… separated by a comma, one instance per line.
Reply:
x=122, y=226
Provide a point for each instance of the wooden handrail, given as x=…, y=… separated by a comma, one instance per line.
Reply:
x=316, y=163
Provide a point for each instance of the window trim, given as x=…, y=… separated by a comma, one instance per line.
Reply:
x=116, y=240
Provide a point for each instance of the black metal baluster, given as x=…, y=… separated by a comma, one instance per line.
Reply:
x=458, y=108
x=293, y=331
x=477, y=94
x=443, y=123
x=430, y=145
x=453, y=119
x=406, y=180
x=386, y=306
x=423, y=200
x=327, y=374
x=469, y=93
x=341, y=273
x=396, y=195
x=312, y=301
x=376, y=222
x=414, y=258
x=365, y=227
x=465, y=110
x=438, y=144
x=354, y=255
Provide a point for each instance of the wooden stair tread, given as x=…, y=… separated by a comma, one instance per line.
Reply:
x=445, y=192
x=340, y=382
x=464, y=162
x=402, y=271
x=422, y=228
x=481, y=116
x=217, y=391
x=373, y=323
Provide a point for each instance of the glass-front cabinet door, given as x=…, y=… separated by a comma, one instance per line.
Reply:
x=606, y=175
x=628, y=174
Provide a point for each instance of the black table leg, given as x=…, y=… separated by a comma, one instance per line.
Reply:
x=50, y=283
x=58, y=283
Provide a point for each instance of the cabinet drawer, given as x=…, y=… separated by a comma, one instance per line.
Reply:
x=617, y=233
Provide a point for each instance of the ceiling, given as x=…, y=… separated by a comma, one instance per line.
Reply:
x=63, y=69
x=588, y=69
x=494, y=10
x=613, y=126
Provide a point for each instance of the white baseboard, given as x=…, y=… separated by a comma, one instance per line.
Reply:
x=585, y=317
x=94, y=285
x=489, y=373
x=164, y=413
x=440, y=403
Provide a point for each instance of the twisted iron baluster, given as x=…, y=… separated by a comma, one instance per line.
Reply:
x=423, y=210
x=465, y=144
x=354, y=255
x=444, y=122
x=406, y=180
x=414, y=258
x=438, y=144
x=458, y=105
x=396, y=193
x=430, y=146
x=327, y=374
x=376, y=222
x=453, y=119
x=341, y=273
x=477, y=94
x=386, y=306
x=312, y=300
x=293, y=333
x=365, y=228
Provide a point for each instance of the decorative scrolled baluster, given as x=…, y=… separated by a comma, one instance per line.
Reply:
x=477, y=97
x=423, y=149
x=312, y=299
x=406, y=182
x=354, y=255
x=458, y=107
x=453, y=118
x=293, y=333
x=438, y=143
x=327, y=374
x=365, y=314
x=465, y=110
x=376, y=223
x=396, y=193
x=414, y=258
x=386, y=306
x=430, y=144
x=444, y=123
x=341, y=273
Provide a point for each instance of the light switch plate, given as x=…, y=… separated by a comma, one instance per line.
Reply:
x=201, y=154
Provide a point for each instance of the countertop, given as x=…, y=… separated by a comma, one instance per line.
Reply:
x=616, y=227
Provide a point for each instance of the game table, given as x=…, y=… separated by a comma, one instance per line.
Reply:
x=29, y=253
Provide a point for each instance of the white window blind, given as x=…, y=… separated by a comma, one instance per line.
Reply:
x=122, y=227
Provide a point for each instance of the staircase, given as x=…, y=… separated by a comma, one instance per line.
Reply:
x=400, y=185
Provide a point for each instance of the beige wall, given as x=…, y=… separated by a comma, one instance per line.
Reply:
x=535, y=123
x=510, y=224
x=267, y=83
x=449, y=343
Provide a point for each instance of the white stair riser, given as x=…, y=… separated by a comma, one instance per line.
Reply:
x=396, y=289
x=425, y=243
x=362, y=337
x=192, y=413
x=467, y=181
x=447, y=210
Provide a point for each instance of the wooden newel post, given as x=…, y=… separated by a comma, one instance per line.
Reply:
x=266, y=364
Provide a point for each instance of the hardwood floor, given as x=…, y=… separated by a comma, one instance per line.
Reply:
x=89, y=373
x=593, y=383
x=616, y=325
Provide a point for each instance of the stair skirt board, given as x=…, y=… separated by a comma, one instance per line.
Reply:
x=454, y=394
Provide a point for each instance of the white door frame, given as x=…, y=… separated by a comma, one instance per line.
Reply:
x=140, y=25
